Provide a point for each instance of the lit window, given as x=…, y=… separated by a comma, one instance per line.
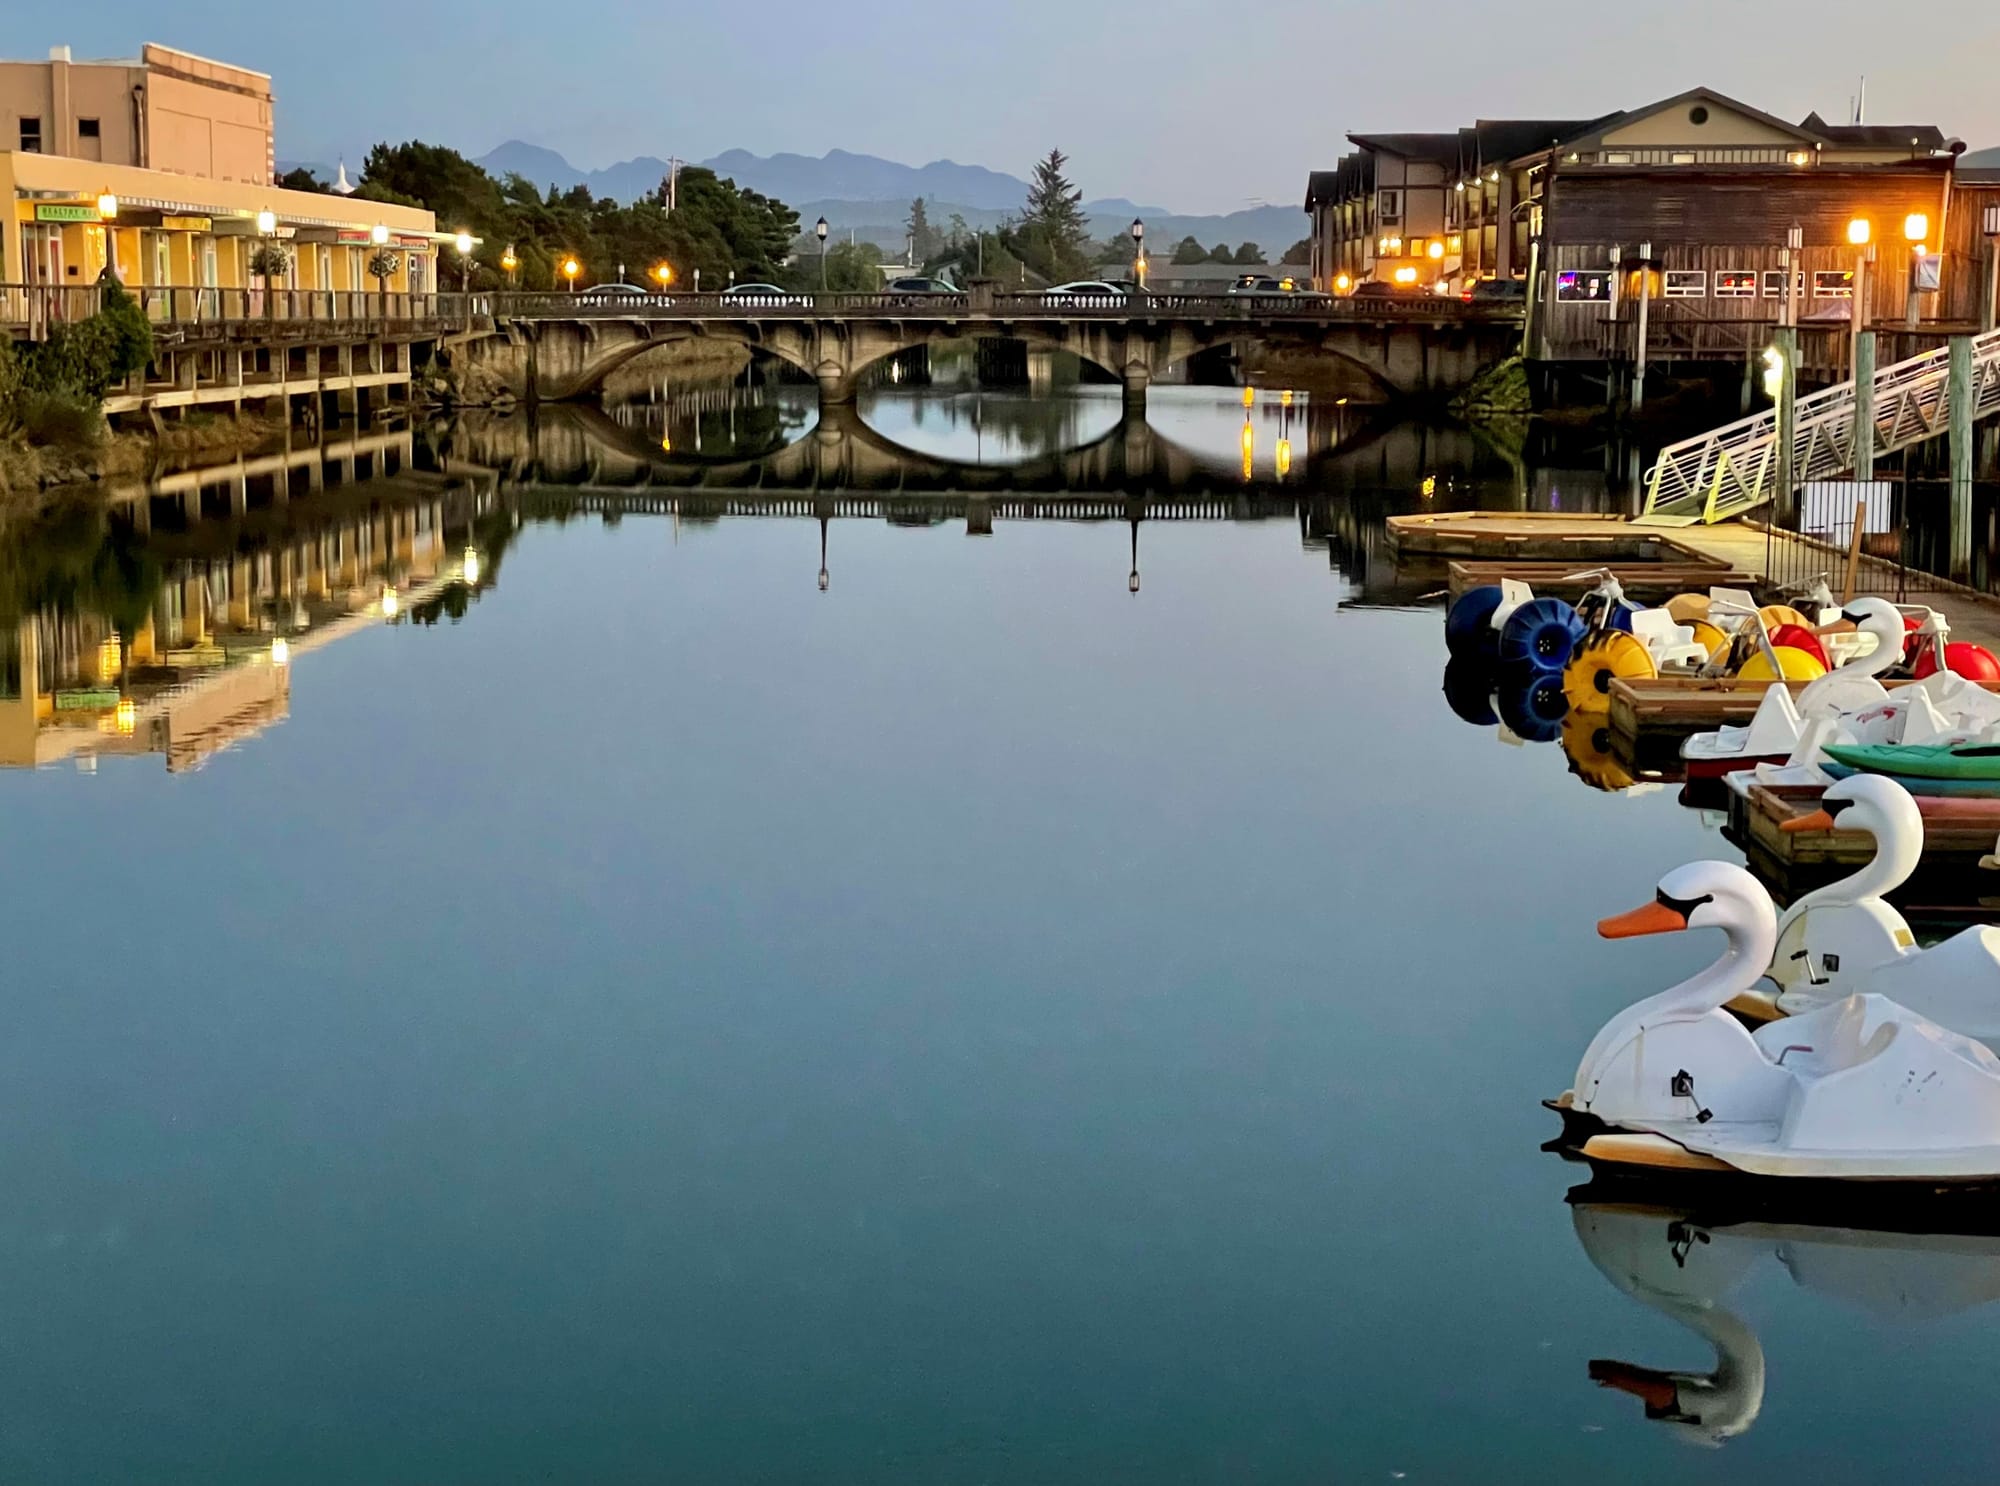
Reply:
x=1583, y=286
x=1687, y=283
x=1618, y=157
x=1737, y=283
x=1833, y=283
x=1774, y=282
x=1681, y=157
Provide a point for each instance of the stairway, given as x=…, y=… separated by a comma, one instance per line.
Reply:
x=1735, y=469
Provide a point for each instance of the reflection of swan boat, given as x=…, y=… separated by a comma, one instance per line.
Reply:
x=1688, y=1269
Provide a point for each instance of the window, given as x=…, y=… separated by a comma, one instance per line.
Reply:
x=88, y=129
x=1681, y=157
x=1687, y=283
x=1736, y=283
x=1774, y=282
x=1698, y=115
x=1833, y=283
x=1617, y=157
x=1390, y=206
x=1584, y=286
x=31, y=136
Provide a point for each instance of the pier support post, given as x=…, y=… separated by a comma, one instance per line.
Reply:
x=1958, y=395
x=1864, y=406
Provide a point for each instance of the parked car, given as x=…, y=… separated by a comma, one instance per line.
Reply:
x=920, y=285
x=1383, y=289
x=1087, y=294
x=1270, y=287
x=1497, y=292
x=620, y=294
x=764, y=297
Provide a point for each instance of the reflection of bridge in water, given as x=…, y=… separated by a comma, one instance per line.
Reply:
x=1337, y=449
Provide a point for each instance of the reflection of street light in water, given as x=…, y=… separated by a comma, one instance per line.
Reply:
x=1249, y=449
x=470, y=568
x=281, y=652
x=390, y=602
x=825, y=578
x=1132, y=584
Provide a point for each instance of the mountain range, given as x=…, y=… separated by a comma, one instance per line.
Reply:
x=869, y=197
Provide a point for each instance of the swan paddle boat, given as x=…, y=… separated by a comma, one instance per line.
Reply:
x=1849, y=702
x=1863, y=1090
x=1844, y=938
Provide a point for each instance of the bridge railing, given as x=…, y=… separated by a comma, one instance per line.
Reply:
x=981, y=303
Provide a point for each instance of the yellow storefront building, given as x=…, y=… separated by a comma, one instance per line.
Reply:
x=72, y=219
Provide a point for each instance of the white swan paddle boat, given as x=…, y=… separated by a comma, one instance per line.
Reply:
x=1845, y=938
x=1861, y=1090
x=1774, y=733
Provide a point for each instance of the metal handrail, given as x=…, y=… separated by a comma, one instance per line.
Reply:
x=1735, y=468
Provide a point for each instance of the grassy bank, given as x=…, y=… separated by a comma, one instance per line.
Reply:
x=28, y=469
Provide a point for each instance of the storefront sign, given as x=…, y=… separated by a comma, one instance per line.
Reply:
x=186, y=224
x=66, y=211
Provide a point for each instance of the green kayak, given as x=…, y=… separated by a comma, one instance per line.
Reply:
x=1920, y=760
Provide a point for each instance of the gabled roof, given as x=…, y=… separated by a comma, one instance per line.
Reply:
x=1919, y=137
x=1601, y=127
x=1321, y=185
x=1980, y=168
x=1442, y=148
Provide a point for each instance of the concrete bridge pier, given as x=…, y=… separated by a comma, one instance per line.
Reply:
x=836, y=386
x=1137, y=378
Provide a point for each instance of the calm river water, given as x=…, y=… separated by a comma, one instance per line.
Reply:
x=649, y=1013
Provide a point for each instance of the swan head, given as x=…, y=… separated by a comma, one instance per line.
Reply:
x=1702, y=895
x=1880, y=618
x=1873, y=803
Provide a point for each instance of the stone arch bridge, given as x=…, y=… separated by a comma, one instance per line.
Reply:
x=558, y=347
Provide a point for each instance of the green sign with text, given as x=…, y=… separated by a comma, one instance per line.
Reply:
x=65, y=211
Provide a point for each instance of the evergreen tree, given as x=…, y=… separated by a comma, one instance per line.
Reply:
x=924, y=241
x=1299, y=253
x=1220, y=254
x=1248, y=253
x=1188, y=251
x=1053, y=233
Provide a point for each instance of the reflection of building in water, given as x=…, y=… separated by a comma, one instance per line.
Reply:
x=191, y=650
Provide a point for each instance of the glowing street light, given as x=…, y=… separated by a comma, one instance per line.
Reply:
x=107, y=206
x=1139, y=250
x=379, y=234
x=267, y=223
x=820, y=231
x=664, y=272
x=571, y=268
x=1859, y=231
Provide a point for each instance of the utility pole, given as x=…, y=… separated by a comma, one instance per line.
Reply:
x=1645, y=300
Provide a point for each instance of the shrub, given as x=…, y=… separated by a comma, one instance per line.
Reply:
x=270, y=262
x=131, y=344
x=60, y=420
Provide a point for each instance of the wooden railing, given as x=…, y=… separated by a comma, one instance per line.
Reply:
x=36, y=308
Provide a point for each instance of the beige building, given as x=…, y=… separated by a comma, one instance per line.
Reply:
x=163, y=110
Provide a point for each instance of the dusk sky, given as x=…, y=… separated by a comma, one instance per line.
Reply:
x=1190, y=106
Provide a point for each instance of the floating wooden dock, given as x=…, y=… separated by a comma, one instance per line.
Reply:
x=1536, y=536
x=1644, y=582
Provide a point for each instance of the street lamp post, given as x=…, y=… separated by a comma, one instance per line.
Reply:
x=1788, y=371
x=1139, y=251
x=1916, y=227
x=571, y=268
x=508, y=263
x=464, y=246
x=1860, y=233
x=267, y=224
x=819, y=230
